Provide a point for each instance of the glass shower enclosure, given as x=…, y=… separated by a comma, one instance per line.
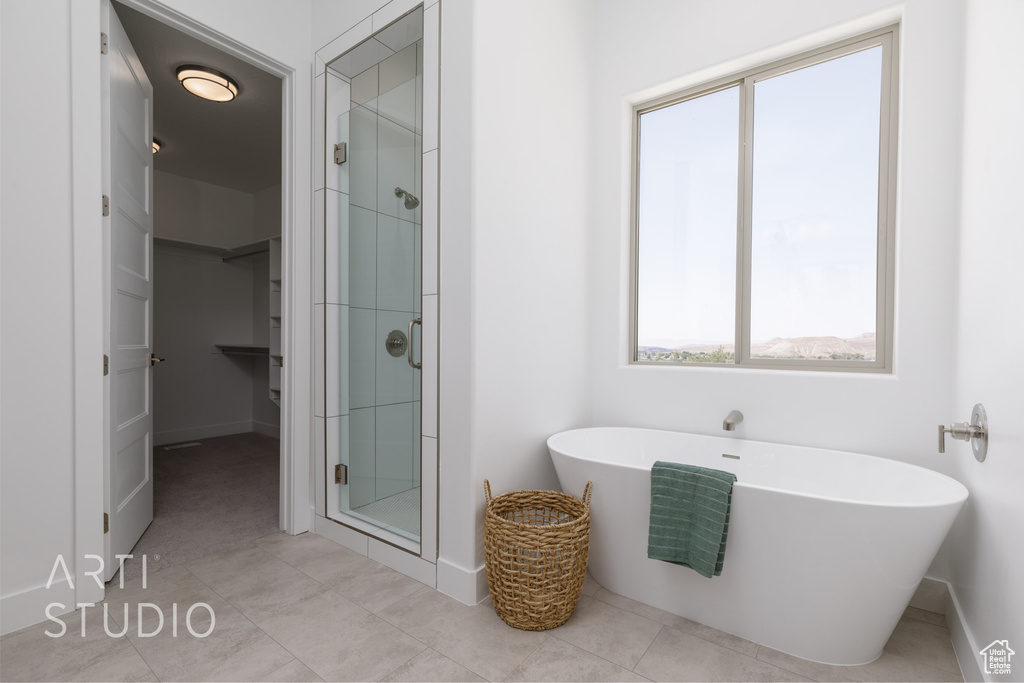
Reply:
x=373, y=238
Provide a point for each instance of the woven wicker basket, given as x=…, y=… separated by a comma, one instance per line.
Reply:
x=536, y=545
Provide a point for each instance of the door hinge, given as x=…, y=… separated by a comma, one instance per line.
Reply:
x=106, y=205
x=106, y=523
x=106, y=365
x=103, y=43
x=340, y=153
x=341, y=474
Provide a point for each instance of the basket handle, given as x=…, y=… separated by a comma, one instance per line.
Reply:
x=587, y=491
x=487, y=491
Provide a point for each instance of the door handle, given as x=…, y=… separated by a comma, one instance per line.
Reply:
x=414, y=364
x=153, y=360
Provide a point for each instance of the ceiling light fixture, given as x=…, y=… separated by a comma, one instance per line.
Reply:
x=207, y=83
x=157, y=145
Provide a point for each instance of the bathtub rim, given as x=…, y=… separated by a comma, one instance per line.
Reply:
x=959, y=500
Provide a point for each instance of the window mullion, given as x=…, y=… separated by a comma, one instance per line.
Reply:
x=744, y=217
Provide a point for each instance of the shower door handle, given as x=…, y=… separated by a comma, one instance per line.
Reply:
x=414, y=364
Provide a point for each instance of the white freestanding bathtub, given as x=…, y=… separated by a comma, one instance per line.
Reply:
x=825, y=548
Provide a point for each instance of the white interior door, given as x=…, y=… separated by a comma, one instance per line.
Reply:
x=128, y=182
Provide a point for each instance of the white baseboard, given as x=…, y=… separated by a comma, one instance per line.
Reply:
x=467, y=586
x=28, y=608
x=266, y=429
x=968, y=653
x=207, y=432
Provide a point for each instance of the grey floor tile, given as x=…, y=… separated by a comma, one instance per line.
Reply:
x=298, y=550
x=895, y=667
x=807, y=668
x=722, y=638
x=156, y=585
x=926, y=616
x=370, y=585
x=31, y=655
x=253, y=581
x=328, y=562
x=292, y=672
x=923, y=642
x=432, y=666
x=590, y=585
x=175, y=585
x=888, y=667
x=613, y=633
x=557, y=660
x=339, y=640
x=226, y=646
x=678, y=656
x=473, y=636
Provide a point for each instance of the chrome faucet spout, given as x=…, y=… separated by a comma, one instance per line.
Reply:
x=731, y=420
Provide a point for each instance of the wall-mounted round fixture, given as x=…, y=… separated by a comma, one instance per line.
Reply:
x=157, y=145
x=207, y=83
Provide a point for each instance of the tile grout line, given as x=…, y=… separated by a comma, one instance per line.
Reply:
x=646, y=649
x=520, y=662
x=257, y=626
x=689, y=633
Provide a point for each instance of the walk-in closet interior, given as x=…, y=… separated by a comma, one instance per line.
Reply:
x=217, y=298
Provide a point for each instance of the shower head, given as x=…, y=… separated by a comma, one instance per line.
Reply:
x=410, y=201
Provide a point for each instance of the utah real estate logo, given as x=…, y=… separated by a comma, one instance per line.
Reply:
x=997, y=657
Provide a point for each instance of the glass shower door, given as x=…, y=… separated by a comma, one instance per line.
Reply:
x=378, y=241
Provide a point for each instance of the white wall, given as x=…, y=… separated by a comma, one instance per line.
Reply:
x=36, y=296
x=195, y=211
x=654, y=42
x=987, y=552
x=45, y=221
x=514, y=231
x=200, y=301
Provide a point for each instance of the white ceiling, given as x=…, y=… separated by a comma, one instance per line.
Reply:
x=235, y=144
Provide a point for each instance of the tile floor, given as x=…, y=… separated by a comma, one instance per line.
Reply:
x=304, y=609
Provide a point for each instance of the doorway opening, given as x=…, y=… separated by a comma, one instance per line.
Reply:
x=215, y=459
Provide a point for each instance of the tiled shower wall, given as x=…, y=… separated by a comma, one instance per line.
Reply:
x=384, y=134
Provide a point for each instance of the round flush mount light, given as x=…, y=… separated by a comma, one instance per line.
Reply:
x=207, y=83
x=157, y=145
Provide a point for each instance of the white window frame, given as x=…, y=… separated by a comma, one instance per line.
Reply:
x=888, y=39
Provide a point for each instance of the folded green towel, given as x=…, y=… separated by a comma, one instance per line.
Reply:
x=689, y=516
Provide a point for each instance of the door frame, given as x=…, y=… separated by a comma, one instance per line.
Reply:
x=91, y=388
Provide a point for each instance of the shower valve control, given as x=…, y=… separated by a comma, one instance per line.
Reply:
x=396, y=343
x=975, y=431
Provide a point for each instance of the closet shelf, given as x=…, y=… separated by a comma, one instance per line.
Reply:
x=243, y=349
x=226, y=254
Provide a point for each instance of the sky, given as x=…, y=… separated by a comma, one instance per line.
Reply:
x=814, y=226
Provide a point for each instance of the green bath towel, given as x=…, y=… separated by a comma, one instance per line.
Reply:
x=689, y=516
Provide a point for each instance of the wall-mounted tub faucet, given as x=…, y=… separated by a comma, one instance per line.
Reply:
x=731, y=420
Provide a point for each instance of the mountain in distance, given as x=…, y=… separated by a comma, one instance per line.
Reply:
x=862, y=345
x=816, y=347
